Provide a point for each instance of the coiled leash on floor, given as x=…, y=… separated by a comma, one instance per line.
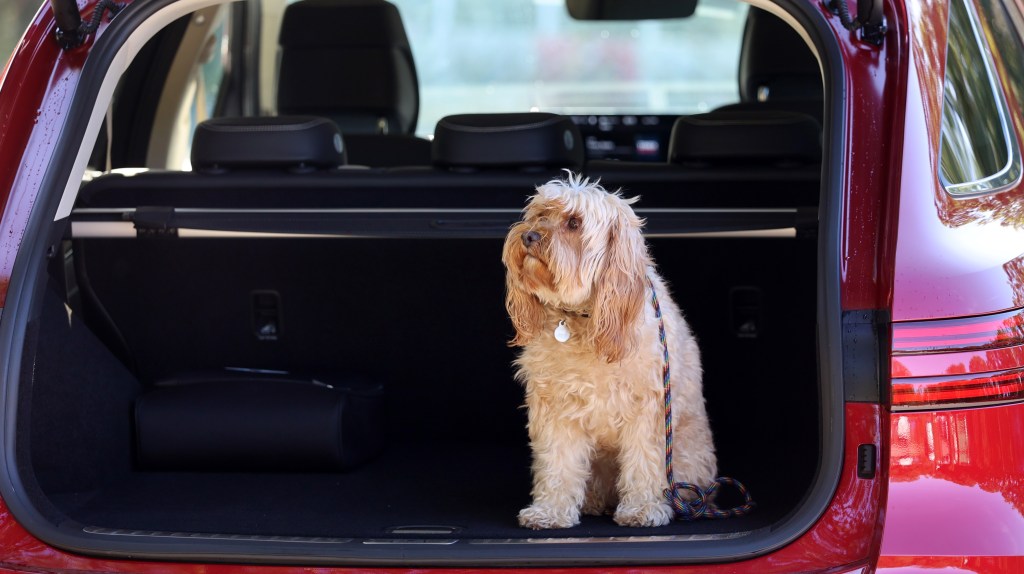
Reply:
x=701, y=507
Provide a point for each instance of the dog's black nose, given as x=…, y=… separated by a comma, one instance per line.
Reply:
x=530, y=237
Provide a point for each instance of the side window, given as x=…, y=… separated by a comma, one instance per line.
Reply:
x=979, y=150
x=192, y=88
x=182, y=75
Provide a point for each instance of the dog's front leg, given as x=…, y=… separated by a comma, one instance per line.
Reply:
x=642, y=478
x=561, y=466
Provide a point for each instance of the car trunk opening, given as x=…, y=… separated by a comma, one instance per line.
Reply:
x=424, y=320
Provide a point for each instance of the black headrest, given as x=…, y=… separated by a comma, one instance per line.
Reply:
x=299, y=142
x=348, y=60
x=744, y=138
x=776, y=60
x=507, y=140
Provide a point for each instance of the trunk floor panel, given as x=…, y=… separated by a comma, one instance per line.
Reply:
x=478, y=490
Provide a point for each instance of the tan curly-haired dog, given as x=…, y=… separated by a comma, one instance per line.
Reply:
x=578, y=292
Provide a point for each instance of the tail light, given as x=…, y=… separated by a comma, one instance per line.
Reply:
x=951, y=363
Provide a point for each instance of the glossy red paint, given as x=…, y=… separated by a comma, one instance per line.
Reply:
x=34, y=97
x=956, y=484
x=954, y=257
x=25, y=100
x=951, y=564
x=954, y=497
x=876, y=80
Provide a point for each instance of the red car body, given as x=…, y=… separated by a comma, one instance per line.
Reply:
x=952, y=493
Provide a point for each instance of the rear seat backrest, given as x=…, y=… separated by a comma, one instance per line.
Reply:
x=297, y=143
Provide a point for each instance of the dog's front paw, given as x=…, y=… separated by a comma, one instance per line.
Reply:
x=648, y=514
x=540, y=517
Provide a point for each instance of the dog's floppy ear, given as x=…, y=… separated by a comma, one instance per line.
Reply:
x=523, y=308
x=619, y=289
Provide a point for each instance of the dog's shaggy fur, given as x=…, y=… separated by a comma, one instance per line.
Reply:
x=595, y=402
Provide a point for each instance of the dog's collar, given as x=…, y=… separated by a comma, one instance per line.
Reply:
x=575, y=313
x=561, y=332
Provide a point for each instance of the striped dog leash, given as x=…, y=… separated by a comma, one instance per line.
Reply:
x=700, y=507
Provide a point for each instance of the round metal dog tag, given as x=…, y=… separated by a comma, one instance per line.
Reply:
x=561, y=332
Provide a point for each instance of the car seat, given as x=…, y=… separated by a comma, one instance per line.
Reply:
x=350, y=61
x=777, y=70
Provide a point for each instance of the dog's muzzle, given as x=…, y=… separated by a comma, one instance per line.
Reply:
x=530, y=237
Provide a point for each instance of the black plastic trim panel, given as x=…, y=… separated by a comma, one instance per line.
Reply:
x=865, y=354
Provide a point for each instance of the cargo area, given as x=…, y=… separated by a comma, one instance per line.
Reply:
x=424, y=320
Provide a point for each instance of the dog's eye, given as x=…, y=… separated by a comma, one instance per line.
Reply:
x=573, y=223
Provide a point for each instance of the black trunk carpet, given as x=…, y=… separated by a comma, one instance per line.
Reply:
x=476, y=490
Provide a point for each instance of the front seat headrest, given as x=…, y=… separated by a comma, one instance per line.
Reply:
x=348, y=60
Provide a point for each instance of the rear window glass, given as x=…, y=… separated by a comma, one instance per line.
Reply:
x=979, y=151
x=522, y=55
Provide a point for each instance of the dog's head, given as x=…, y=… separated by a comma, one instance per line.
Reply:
x=578, y=248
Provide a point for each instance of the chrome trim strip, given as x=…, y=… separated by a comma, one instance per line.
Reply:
x=413, y=541
x=210, y=536
x=616, y=539
x=406, y=541
x=1010, y=175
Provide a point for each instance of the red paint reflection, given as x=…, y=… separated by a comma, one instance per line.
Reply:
x=951, y=564
x=957, y=483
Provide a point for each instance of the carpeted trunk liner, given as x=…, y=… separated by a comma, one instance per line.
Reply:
x=476, y=490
